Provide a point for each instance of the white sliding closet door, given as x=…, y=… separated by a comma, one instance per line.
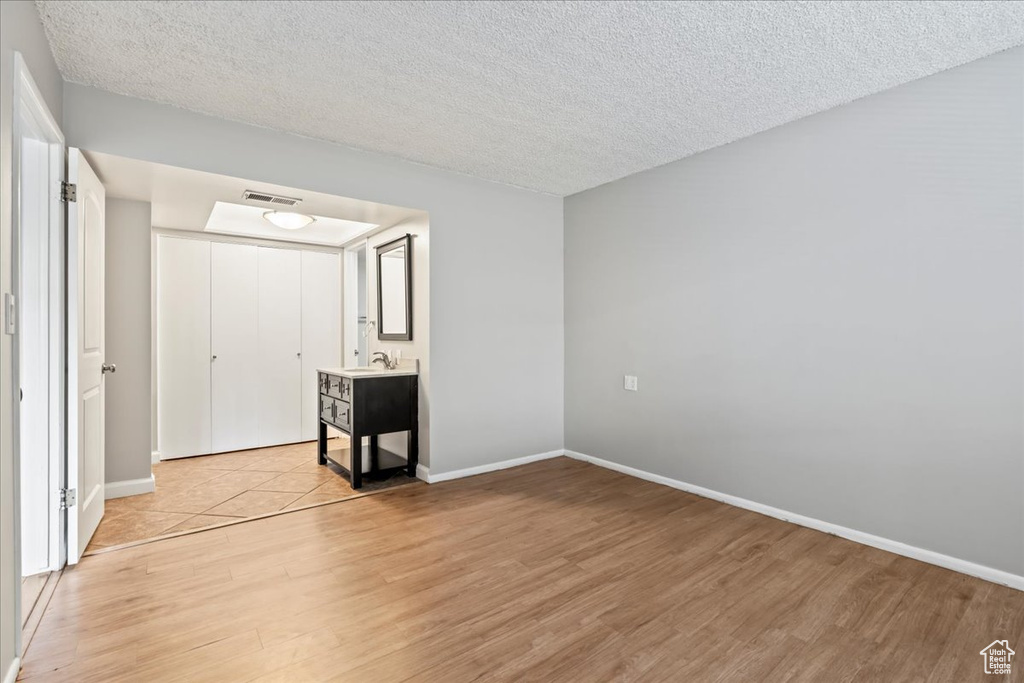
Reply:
x=235, y=356
x=280, y=347
x=183, y=347
x=321, y=329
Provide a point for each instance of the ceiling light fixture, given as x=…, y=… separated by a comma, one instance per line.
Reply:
x=288, y=220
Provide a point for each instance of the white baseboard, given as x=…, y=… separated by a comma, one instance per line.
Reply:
x=12, y=671
x=155, y=457
x=129, y=487
x=425, y=474
x=929, y=556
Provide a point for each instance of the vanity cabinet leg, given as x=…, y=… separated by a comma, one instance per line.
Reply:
x=356, y=459
x=374, y=451
x=413, y=448
x=321, y=444
x=414, y=452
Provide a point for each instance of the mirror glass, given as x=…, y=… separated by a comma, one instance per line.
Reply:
x=394, y=288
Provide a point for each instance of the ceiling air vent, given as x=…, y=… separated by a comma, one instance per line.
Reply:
x=255, y=196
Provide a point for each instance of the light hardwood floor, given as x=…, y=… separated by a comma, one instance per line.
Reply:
x=31, y=588
x=554, y=571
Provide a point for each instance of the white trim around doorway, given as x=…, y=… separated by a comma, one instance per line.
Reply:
x=31, y=116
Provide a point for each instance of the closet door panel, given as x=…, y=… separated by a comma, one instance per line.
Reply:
x=183, y=347
x=280, y=347
x=235, y=358
x=321, y=329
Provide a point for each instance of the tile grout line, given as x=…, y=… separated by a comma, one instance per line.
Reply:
x=243, y=520
x=221, y=475
x=205, y=464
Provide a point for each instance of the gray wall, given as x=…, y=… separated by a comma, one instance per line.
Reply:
x=825, y=317
x=20, y=30
x=419, y=347
x=496, y=342
x=129, y=429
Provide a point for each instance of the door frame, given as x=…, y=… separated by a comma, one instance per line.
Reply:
x=28, y=102
x=350, y=303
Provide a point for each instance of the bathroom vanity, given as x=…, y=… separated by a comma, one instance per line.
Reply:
x=369, y=402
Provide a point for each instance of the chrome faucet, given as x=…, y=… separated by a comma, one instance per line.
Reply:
x=388, y=362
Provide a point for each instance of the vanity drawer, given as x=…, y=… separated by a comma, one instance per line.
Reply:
x=335, y=412
x=346, y=389
x=343, y=415
x=326, y=408
x=334, y=385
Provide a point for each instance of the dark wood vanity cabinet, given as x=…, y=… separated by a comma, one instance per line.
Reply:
x=369, y=405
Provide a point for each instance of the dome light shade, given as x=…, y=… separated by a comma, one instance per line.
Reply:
x=288, y=220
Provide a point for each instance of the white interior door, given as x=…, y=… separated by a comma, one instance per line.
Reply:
x=280, y=348
x=321, y=329
x=183, y=347
x=236, y=361
x=85, y=256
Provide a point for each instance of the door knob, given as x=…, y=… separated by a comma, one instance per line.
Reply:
x=108, y=367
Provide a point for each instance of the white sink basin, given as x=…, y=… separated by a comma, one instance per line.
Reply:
x=364, y=371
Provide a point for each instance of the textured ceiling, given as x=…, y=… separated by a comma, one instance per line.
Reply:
x=557, y=97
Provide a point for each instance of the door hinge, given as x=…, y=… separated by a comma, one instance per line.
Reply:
x=68, y=498
x=68, y=192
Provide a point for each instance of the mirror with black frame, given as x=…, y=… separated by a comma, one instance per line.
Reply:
x=394, y=290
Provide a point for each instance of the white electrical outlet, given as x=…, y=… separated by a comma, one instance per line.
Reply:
x=630, y=383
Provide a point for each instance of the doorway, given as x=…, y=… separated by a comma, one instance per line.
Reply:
x=216, y=396
x=34, y=315
x=357, y=326
x=361, y=322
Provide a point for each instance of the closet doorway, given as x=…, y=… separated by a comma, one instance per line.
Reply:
x=241, y=331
